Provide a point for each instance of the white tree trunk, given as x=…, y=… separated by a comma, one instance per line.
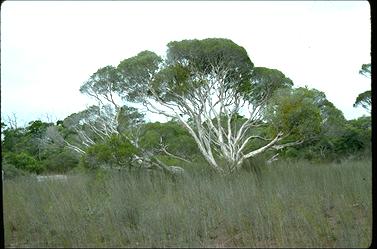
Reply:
x=211, y=108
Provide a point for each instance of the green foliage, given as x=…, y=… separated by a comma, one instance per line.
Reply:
x=60, y=161
x=364, y=100
x=172, y=80
x=338, y=140
x=10, y=171
x=14, y=140
x=27, y=139
x=264, y=83
x=129, y=118
x=136, y=73
x=190, y=66
x=350, y=141
x=201, y=54
x=117, y=151
x=37, y=128
x=208, y=57
x=28, y=149
x=294, y=112
x=175, y=137
x=102, y=82
x=366, y=70
x=308, y=113
x=193, y=68
x=17, y=146
x=23, y=161
x=356, y=137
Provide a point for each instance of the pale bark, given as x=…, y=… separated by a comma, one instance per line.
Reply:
x=211, y=108
x=163, y=148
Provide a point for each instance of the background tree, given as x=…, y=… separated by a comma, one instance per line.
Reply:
x=170, y=141
x=356, y=138
x=321, y=144
x=29, y=149
x=364, y=99
x=366, y=70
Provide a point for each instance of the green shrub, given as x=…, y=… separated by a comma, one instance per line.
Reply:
x=117, y=151
x=24, y=161
x=61, y=161
x=10, y=171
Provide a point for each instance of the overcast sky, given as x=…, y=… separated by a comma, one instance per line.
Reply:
x=49, y=48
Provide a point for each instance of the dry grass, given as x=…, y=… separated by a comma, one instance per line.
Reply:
x=287, y=205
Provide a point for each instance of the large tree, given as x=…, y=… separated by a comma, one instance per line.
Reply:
x=204, y=84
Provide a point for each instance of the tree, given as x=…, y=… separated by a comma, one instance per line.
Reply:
x=366, y=70
x=102, y=85
x=24, y=161
x=111, y=118
x=29, y=138
x=357, y=136
x=204, y=84
x=265, y=82
x=319, y=145
x=364, y=99
x=169, y=140
x=114, y=152
x=96, y=124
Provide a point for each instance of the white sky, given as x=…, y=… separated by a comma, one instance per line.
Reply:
x=48, y=49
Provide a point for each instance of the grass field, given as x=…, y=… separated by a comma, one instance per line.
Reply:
x=286, y=205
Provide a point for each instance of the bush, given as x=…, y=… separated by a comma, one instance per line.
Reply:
x=10, y=171
x=117, y=151
x=24, y=161
x=62, y=161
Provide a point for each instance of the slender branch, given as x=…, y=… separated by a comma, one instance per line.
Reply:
x=273, y=158
x=163, y=149
x=264, y=148
x=282, y=146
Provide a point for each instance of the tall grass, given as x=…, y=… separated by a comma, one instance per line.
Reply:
x=285, y=205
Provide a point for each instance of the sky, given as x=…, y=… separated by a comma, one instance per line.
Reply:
x=50, y=48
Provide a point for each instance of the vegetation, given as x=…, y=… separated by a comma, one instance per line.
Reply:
x=286, y=205
x=204, y=84
x=246, y=159
x=364, y=99
x=171, y=144
x=223, y=110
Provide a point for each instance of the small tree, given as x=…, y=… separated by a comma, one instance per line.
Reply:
x=324, y=125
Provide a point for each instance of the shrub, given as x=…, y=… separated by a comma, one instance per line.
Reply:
x=24, y=161
x=62, y=161
x=10, y=171
x=117, y=151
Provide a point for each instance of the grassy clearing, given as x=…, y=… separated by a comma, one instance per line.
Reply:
x=287, y=205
